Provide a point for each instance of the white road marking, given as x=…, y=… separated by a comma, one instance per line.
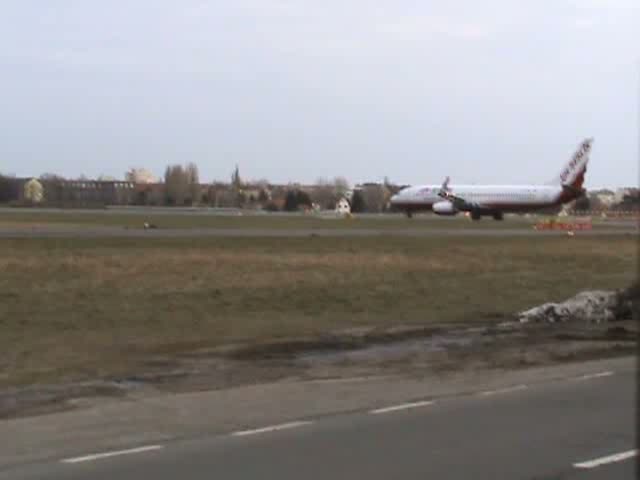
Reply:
x=272, y=428
x=404, y=406
x=515, y=388
x=594, y=375
x=618, y=457
x=349, y=379
x=98, y=456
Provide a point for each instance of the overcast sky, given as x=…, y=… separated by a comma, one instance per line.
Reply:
x=496, y=91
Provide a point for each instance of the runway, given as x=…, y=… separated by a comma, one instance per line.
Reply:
x=579, y=428
x=55, y=231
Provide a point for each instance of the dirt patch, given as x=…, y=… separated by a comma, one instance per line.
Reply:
x=51, y=398
x=353, y=339
x=400, y=351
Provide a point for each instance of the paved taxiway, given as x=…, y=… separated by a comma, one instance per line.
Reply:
x=114, y=232
x=579, y=428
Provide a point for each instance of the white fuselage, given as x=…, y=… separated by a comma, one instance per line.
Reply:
x=503, y=198
x=494, y=200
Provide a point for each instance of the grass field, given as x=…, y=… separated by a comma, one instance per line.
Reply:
x=187, y=220
x=77, y=308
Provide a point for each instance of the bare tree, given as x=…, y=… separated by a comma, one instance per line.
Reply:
x=53, y=188
x=263, y=197
x=374, y=197
x=226, y=198
x=176, y=184
x=51, y=177
x=324, y=194
x=236, y=181
x=191, y=171
x=181, y=184
x=262, y=183
x=341, y=186
x=8, y=191
x=264, y=191
x=358, y=203
x=193, y=180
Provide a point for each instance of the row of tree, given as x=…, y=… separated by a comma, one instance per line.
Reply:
x=630, y=201
x=181, y=186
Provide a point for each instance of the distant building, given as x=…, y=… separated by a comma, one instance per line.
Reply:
x=87, y=193
x=251, y=194
x=629, y=200
x=606, y=198
x=621, y=193
x=152, y=194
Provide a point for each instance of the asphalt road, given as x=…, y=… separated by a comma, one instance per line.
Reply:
x=566, y=429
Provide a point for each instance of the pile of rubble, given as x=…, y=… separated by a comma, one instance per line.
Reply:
x=595, y=306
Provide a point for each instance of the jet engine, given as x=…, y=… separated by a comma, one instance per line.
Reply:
x=444, y=208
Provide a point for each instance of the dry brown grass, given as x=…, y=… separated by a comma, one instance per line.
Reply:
x=80, y=308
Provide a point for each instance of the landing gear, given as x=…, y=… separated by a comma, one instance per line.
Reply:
x=498, y=216
x=409, y=214
x=475, y=215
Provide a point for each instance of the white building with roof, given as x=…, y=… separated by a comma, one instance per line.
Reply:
x=343, y=207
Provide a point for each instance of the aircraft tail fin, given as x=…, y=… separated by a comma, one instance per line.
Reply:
x=573, y=173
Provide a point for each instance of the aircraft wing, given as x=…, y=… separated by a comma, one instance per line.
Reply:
x=458, y=202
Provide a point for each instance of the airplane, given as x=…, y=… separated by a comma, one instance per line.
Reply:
x=495, y=200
